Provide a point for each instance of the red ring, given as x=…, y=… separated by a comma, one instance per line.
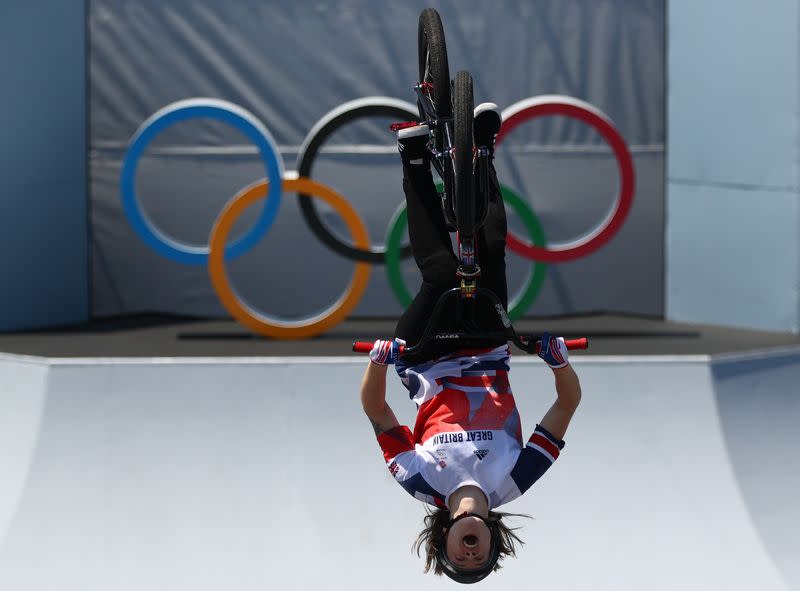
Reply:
x=577, y=109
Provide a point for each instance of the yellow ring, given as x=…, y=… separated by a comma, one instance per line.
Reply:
x=253, y=319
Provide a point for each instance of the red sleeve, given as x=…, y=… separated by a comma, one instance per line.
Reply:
x=545, y=443
x=395, y=441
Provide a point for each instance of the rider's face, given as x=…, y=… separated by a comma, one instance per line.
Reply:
x=468, y=543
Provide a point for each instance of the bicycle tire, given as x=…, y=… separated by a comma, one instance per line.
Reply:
x=432, y=56
x=466, y=216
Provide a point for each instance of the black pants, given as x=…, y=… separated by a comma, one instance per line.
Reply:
x=433, y=253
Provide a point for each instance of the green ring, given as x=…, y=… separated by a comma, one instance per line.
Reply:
x=517, y=306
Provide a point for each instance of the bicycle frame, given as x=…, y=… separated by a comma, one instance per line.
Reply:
x=441, y=148
x=440, y=145
x=473, y=207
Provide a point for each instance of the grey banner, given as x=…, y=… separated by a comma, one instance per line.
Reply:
x=290, y=63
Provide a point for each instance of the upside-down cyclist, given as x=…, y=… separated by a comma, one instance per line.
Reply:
x=466, y=455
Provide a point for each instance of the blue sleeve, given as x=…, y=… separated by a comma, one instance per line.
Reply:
x=535, y=458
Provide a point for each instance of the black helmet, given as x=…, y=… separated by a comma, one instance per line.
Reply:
x=464, y=575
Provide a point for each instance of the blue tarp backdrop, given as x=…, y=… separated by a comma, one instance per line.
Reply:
x=44, y=269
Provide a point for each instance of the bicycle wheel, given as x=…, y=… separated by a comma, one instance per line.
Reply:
x=433, y=67
x=466, y=218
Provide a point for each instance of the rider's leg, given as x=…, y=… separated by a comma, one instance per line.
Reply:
x=427, y=230
x=492, y=235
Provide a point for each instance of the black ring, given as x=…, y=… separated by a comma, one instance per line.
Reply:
x=368, y=107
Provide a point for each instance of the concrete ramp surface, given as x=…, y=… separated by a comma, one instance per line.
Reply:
x=262, y=473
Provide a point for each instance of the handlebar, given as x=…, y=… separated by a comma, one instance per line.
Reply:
x=582, y=343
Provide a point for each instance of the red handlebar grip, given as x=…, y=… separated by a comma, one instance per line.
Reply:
x=582, y=343
x=365, y=347
x=577, y=343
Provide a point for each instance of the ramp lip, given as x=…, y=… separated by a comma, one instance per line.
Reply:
x=756, y=354
x=20, y=358
x=248, y=360
x=349, y=360
x=620, y=359
x=518, y=359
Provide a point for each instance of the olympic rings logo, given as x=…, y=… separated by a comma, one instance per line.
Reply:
x=278, y=180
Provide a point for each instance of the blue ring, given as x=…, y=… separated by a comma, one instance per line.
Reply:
x=194, y=109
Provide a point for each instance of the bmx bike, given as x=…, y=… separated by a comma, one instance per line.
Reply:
x=446, y=106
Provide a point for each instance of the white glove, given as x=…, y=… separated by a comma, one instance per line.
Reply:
x=385, y=352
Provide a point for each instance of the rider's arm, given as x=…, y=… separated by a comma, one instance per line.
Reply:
x=373, y=399
x=568, y=388
x=395, y=440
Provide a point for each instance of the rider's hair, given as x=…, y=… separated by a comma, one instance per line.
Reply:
x=432, y=536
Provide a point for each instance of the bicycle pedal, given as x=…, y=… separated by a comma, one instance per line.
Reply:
x=402, y=125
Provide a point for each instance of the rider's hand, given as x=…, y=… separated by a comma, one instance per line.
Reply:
x=554, y=351
x=385, y=352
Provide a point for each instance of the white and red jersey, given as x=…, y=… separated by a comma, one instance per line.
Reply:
x=467, y=431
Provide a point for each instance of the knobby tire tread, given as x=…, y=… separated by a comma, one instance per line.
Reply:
x=430, y=40
x=463, y=144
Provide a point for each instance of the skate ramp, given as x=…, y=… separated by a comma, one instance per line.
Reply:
x=262, y=473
